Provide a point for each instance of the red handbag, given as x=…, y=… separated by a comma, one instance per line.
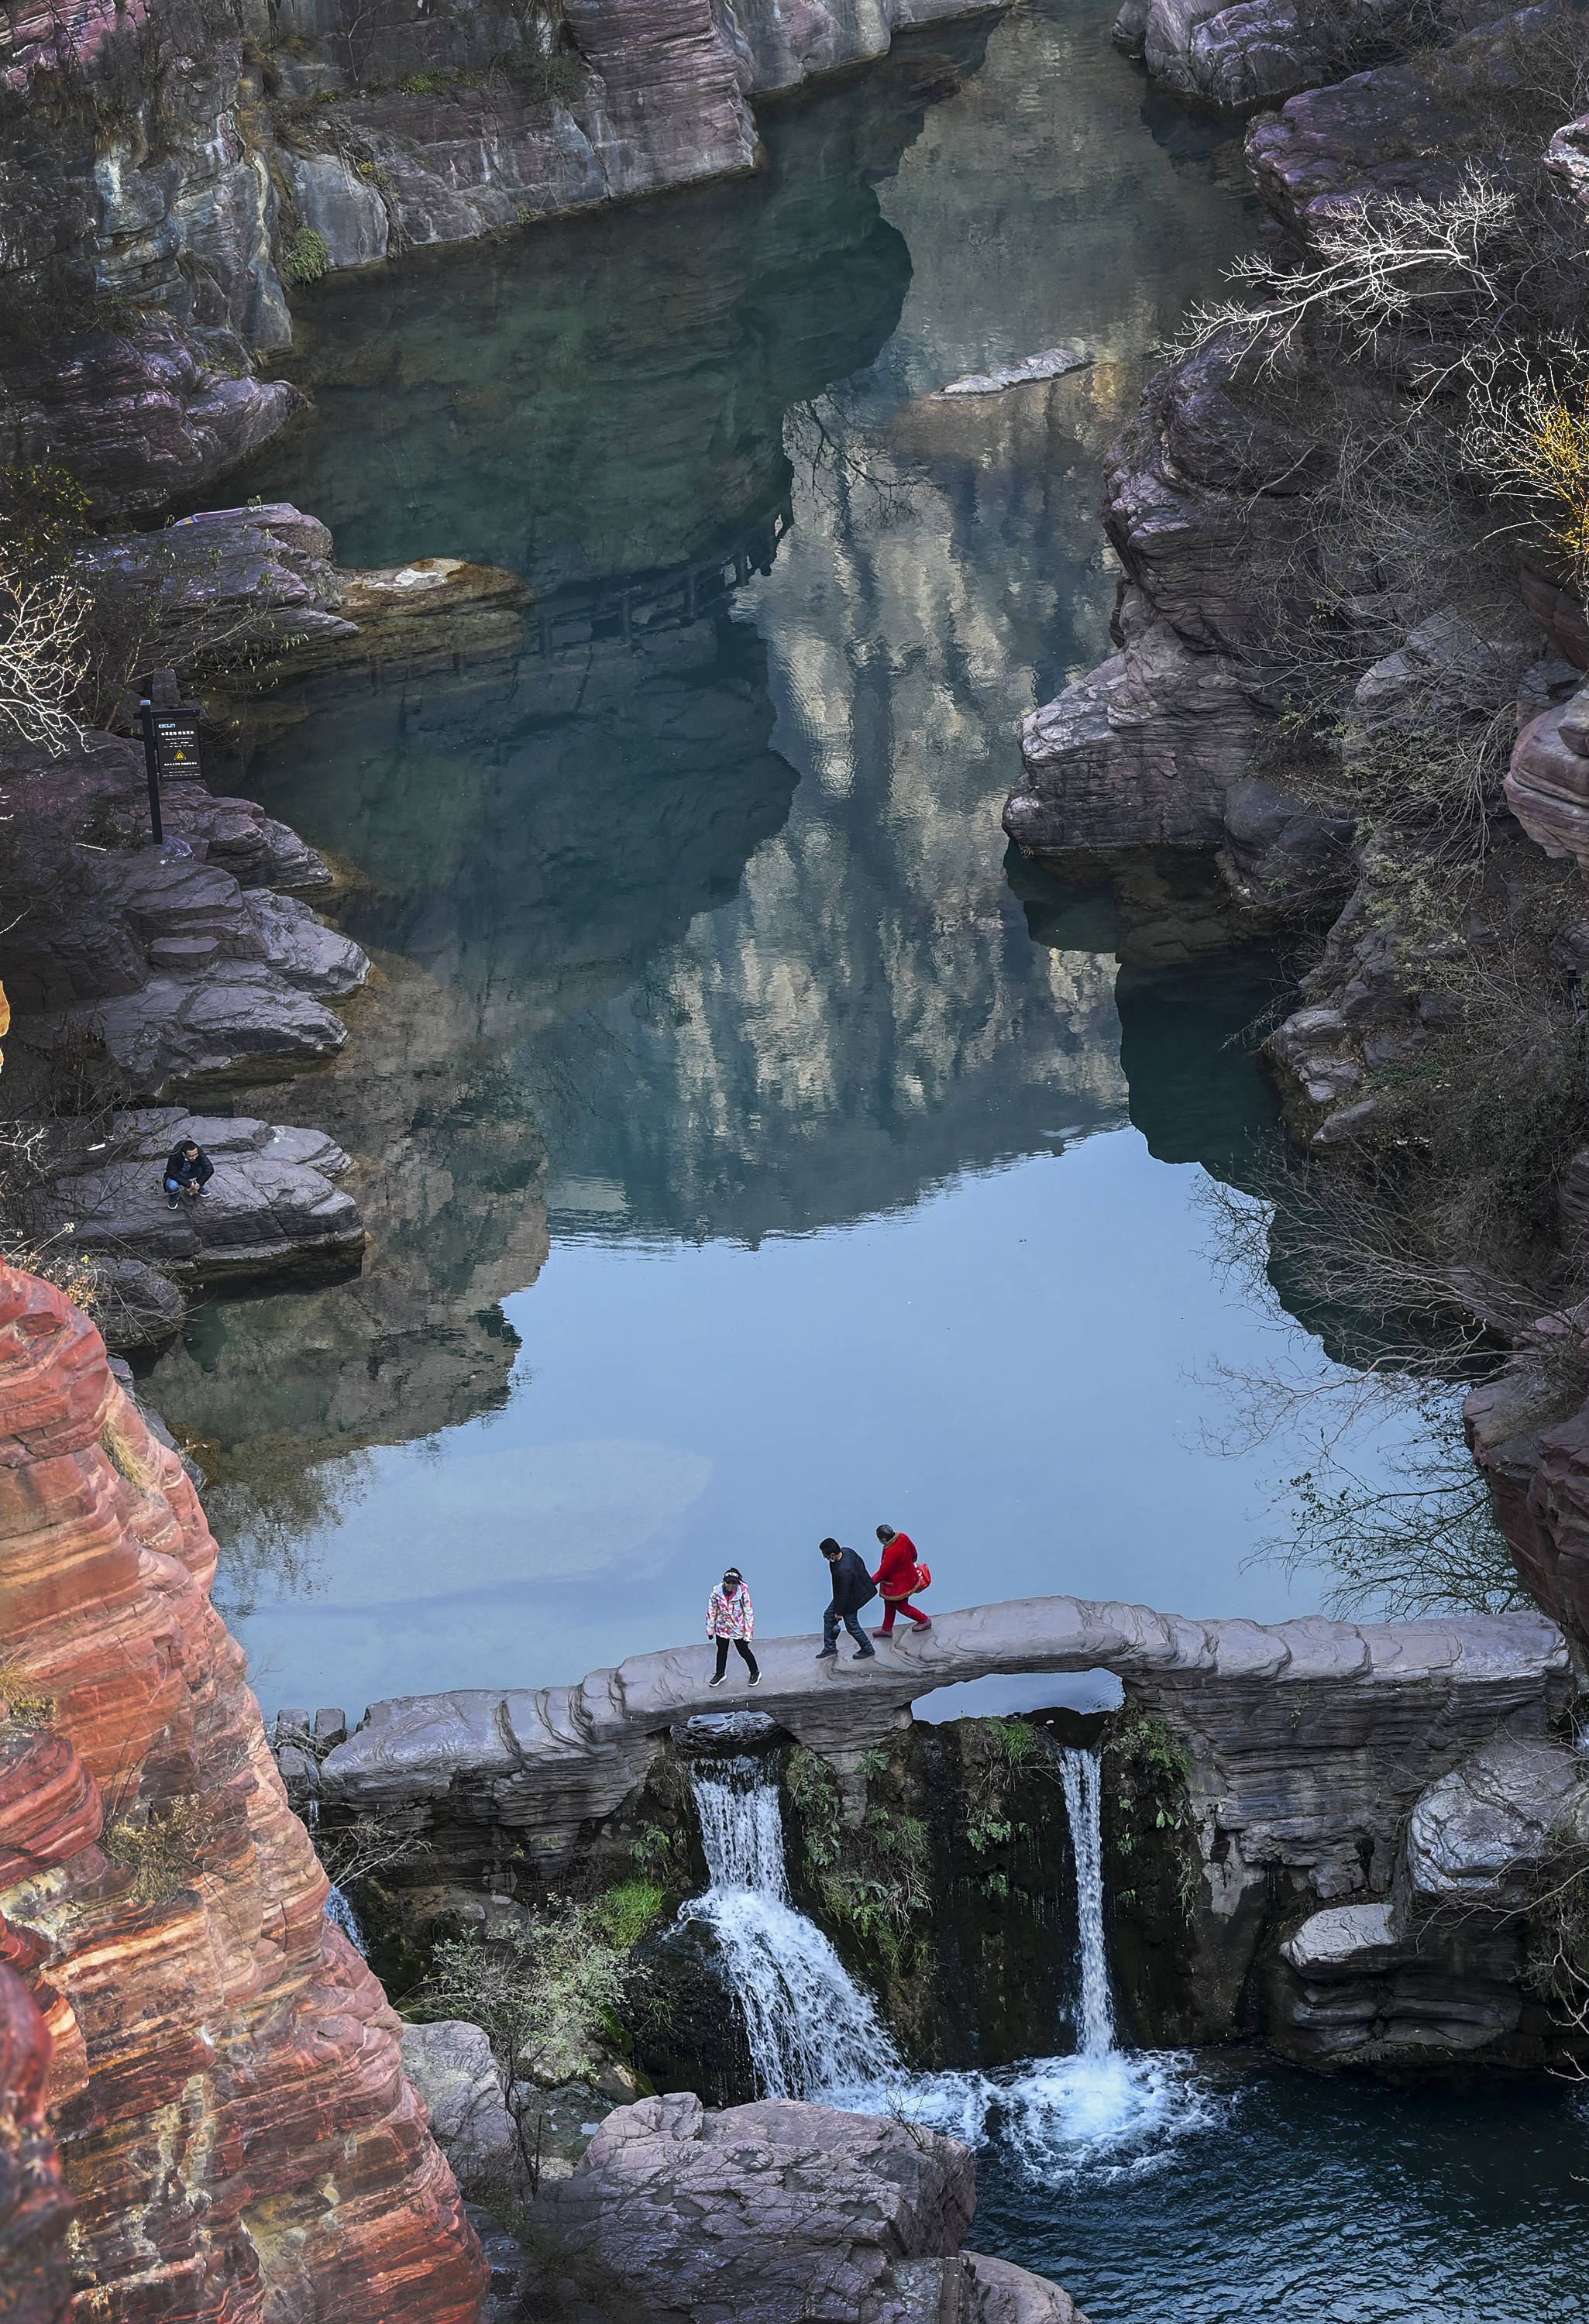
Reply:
x=923, y=1579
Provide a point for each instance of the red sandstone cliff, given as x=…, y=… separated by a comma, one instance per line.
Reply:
x=225, y=2089
x=34, y=2206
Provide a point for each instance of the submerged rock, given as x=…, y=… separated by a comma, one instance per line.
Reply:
x=1052, y=362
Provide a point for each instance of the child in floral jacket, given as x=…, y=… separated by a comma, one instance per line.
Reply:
x=729, y=1616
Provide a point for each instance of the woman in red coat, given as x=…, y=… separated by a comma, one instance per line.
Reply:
x=896, y=1577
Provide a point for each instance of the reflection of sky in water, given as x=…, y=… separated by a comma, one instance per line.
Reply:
x=1001, y=1371
x=726, y=915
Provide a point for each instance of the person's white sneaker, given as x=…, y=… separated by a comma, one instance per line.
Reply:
x=718, y=1680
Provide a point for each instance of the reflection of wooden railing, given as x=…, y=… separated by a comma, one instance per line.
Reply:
x=667, y=600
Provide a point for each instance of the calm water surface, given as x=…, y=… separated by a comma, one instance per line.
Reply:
x=755, y=1152
x=751, y=1151
x=1289, y=2195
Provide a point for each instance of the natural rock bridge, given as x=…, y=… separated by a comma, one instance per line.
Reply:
x=1371, y=1803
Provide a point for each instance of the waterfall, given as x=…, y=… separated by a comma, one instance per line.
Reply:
x=339, y=1909
x=810, y=2027
x=813, y=2034
x=1080, y=1772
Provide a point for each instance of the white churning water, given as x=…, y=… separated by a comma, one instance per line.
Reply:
x=810, y=2027
x=1080, y=1773
x=814, y=2034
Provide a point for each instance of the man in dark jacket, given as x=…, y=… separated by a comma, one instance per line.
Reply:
x=187, y=1170
x=853, y=1588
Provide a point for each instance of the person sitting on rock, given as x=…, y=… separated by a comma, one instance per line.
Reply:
x=853, y=1588
x=187, y=1170
x=896, y=1577
x=729, y=1616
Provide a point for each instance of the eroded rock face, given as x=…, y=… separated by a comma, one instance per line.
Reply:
x=216, y=2042
x=173, y=173
x=140, y=414
x=1252, y=53
x=182, y=965
x=1437, y=1967
x=1548, y=778
x=1539, y=1476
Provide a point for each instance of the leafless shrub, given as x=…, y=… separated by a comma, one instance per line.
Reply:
x=1374, y=270
x=1420, y=1539
x=365, y=1849
x=164, y=1846
x=1558, y=1964
x=43, y=657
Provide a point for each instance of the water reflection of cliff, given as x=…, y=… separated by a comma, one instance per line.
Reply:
x=450, y=1178
x=720, y=909
x=605, y=395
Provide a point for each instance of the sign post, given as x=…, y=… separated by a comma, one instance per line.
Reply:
x=170, y=747
x=152, y=768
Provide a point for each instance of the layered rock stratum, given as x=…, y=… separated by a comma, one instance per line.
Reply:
x=226, y=2091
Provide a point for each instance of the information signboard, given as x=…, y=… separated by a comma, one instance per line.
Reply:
x=176, y=740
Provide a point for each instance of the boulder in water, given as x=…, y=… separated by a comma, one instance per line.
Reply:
x=789, y=2212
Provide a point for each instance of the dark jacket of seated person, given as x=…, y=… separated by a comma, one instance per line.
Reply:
x=186, y=1168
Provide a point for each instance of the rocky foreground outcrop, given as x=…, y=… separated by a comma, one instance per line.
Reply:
x=225, y=2092
x=785, y=2212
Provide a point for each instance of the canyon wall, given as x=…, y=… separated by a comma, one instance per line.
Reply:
x=226, y=2090
x=170, y=177
x=35, y=2208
